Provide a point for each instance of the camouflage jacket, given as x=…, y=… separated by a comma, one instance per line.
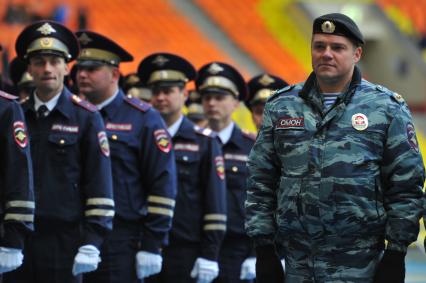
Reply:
x=352, y=172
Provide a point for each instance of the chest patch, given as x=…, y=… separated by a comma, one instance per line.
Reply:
x=65, y=128
x=290, y=123
x=186, y=147
x=236, y=157
x=118, y=127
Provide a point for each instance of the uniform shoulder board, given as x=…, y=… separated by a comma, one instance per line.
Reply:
x=249, y=135
x=277, y=92
x=7, y=96
x=83, y=103
x=395, y=96
x=204, y=131
x=138, y=104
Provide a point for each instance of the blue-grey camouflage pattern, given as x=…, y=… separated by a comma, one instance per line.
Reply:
x=346, y=181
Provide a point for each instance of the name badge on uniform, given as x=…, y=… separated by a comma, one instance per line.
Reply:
x=65, y=128
x=118, y=127
x=289, y=123
x=359, y=122
x=187, y=147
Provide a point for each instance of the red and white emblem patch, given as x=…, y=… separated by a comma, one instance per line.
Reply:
x=220, y=167
x=291, y=123
x=162, y=140
x=20, y=134
x=103, y=143
x=359, y=122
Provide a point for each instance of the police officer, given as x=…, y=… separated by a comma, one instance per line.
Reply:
x=222, y=87
x=132, y=86
x=338, y=160
x=195, y=111
x=143, y=165
x=22, y=80
x=199, y=222
x=72, y=170
x=16, y=178
x=260, y=88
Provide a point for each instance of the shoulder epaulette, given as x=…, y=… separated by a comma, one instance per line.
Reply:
x=395, y=96
x=7, y=96
x=137, y=103
x=83, y=103
x=277, y=92
x=249, y=134
x=204, y=131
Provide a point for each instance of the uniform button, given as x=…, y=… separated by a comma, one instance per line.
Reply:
x=62, y=141
x=234, y=169
x=114, y=137
x=185, y=158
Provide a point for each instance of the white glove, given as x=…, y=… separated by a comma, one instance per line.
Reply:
x=86, y=260
x=147, y=264
x=248, y=269
x=205, y=270
x=10, y=259
x=283, y=264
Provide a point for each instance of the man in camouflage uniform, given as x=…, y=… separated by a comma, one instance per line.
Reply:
x=345, y=155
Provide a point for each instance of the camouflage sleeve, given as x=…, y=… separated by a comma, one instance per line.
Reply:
x=263, y=167
x=403, y=176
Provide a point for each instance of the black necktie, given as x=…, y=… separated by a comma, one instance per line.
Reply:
x=42, y=111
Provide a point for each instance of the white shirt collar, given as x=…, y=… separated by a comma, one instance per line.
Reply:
x=175, y=126
x=225, y=134
x=49, y=104
x=106, y=102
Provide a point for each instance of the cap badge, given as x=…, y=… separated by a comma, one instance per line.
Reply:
x=46, y=42
x=266, y=80
x=84, y=39
x=132, y=79
x=160, y=60
x=328, y=27
x=215, y=68
x=359, y=122
x=46, y=29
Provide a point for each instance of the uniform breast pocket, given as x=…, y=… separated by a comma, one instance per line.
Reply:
x=63, y=146
x=187, y=164
x=123, y=146
x=292, y=147
x=236, y=174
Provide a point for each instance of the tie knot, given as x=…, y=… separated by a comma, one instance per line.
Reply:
x=42, y=111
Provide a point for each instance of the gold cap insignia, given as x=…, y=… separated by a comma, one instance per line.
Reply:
x=214, y=69
x=160, y=60
x=46, y=42
x=84, y=39
x=132, y=79
x=266, y=80
x=328, y=27
x=194, y=95
x=46, y=29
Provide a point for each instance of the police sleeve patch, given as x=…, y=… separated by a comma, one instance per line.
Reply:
x=103, y=143
x=162, y=140
x=220, y=167
x=20, y=134
x=411, y=135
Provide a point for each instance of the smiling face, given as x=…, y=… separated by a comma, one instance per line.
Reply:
x=333, y=60
x=48, y=72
